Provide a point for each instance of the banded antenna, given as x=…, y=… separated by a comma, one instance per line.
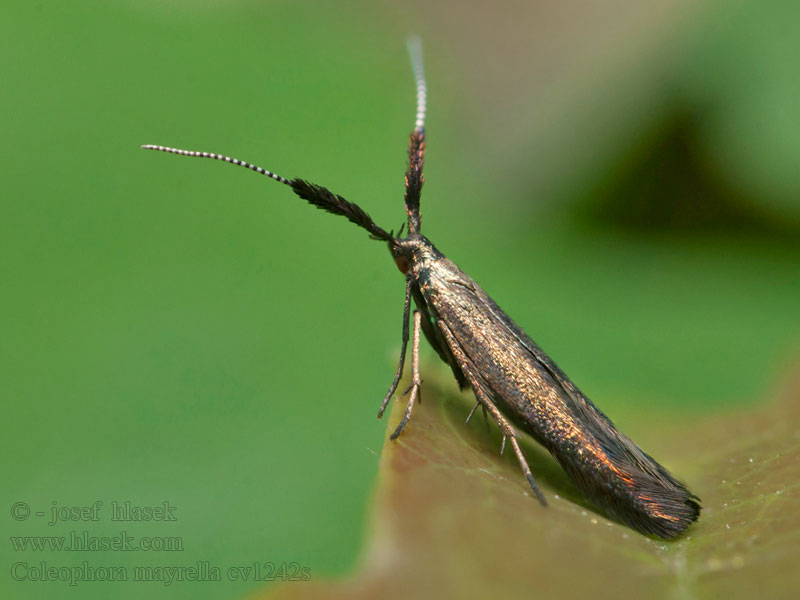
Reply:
x=227, y=159
x=416, y=145
x=417, y=65
x=319, y=196
x=326, y=200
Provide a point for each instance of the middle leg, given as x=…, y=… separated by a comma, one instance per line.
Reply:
x=414, y=388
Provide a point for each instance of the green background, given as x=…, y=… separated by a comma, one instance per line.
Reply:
x=180, y=330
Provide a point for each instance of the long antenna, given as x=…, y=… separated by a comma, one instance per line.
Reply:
x=326, y=200
x=227, y=159
x=317, y=195
x=416, y=145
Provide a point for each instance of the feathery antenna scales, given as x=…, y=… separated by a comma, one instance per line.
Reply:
x=416, y=145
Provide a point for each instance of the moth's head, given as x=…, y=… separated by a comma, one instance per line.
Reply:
x=411, y=250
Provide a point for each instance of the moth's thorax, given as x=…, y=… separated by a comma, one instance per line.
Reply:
x=414, y=253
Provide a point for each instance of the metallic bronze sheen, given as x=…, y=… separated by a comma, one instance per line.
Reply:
x=531, y=391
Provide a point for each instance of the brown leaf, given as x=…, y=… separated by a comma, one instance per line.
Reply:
x=453, y=519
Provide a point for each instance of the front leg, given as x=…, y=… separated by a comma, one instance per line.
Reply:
x=399, y=372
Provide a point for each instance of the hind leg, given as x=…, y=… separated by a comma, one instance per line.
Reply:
x=508, y=431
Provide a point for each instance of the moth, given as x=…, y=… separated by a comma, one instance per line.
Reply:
x=513, y=380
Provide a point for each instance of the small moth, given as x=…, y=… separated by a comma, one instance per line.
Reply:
x=513, y=380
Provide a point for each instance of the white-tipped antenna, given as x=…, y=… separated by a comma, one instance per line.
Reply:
x=415, y=53
x=228, y=159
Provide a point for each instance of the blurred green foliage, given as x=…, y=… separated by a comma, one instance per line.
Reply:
x=181, y=330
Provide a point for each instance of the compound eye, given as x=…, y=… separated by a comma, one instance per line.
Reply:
x=402, y=264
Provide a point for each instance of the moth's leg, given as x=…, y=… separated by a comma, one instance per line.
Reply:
x=399, y=373
x=481, y=394
x=472, y=412
x=415, y=380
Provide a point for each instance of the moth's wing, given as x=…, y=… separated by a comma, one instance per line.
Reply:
x=664, y=505
x=644, y=495
x=620, y=448
x=618, y=445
